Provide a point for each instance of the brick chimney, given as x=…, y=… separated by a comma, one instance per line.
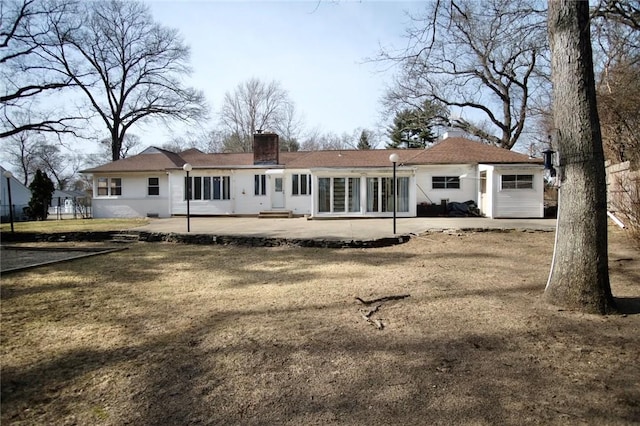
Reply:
x=266, y=148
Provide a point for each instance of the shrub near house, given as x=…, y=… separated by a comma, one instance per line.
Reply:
x=41, y=192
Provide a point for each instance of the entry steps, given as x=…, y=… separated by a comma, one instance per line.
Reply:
x=125, y=238
x=275, y=214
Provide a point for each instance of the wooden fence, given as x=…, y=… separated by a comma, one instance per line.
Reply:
x=623, y=192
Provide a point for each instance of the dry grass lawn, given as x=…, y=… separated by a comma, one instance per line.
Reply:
x=176, y=335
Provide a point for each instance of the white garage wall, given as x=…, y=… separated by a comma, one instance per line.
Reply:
x=519, y=203
x=468, y=184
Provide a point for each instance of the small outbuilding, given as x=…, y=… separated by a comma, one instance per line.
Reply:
x=20, y=196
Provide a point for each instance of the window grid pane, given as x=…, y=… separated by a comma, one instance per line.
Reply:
x=103, y=186
x=445, y=182
x=116, y=186
x=216, y=187
x=153, y=187
x=354, y=194
x=517, y=182
x=226, y=188
x=259, y=185
x=387, y=195
x=338, y=194
x=294, y=185
x=197, y=188
x=403, y=194
x=206, y=187
x=372, y=194
x=324, y=194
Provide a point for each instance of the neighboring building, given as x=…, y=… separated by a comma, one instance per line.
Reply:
x=320, y=184
x=20, y=197
x=68, y=203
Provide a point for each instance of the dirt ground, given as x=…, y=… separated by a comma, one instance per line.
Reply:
x=176, y=334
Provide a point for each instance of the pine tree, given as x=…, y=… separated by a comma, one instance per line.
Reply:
x=413, y=128
x=364, y=141
x=41, y=193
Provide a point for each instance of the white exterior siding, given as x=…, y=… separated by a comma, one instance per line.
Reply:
x=199, y=207
x=130, y=207
x=480, y=183
x=134, y=200
x=468, y=184
x=298, y=204
x=243, y=190
x=486, y=190
x=247, y=203
x=518, y=203
x=243, y=200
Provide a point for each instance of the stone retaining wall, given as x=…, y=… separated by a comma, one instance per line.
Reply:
x=29, y=237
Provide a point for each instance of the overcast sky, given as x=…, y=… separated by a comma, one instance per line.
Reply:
x=316, y=50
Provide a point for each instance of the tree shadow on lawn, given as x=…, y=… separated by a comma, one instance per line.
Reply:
x=320, y=362
x=8, y=291
x=366, y=376
x=553, y=372
x=628, y=305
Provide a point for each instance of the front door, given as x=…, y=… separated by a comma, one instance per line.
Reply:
x=277, y=195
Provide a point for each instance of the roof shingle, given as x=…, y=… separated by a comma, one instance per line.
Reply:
x=448, y=151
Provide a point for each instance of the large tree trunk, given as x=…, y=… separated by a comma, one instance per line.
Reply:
x=579, y=274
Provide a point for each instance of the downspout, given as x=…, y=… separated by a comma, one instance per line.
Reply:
x=169, y=199
x=232, y=190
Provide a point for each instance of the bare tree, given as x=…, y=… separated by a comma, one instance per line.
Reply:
x=318, y=141
x=28, y=152
x=20, y=150
x=579, y=276
x=212, y=141
x=128, y=67
x=130, y=145
x=253, y=105
x=616, y=34
x=481, y=56
x=289, y=128
x=198, y=137
x=618, y=105
x=625, y=12
x=26, y=80
x=61, y=167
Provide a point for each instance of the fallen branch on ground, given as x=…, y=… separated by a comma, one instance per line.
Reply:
x=371, y=312
x=382, y=299
x=366, y=315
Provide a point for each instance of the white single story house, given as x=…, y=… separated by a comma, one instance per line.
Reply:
x=319, y=184
x=20, y=197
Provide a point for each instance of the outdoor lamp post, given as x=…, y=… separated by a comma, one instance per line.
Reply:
x=9, y=175
x=187, y=168
x=394, y=159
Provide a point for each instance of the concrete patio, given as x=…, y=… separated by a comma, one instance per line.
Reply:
x=337, y=229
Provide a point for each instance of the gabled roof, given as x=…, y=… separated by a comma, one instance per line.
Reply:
x=151, y=159
x=448, y=151
x=465, y=151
